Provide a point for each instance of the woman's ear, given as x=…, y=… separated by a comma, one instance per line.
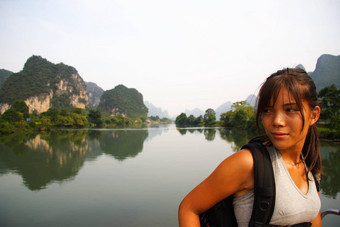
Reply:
x=315, y=114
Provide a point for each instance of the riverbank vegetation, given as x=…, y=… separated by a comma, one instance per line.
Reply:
x=329, y=123
x=18, y=120
x=158, y=120
x=208, y=120
x=242, y=116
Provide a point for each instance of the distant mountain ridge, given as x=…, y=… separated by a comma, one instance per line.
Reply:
x=95, y=92
x=225, y=107
x=251, y=100
x=42, y=84
x=156, y=111
x=196, y=112
x=327, y=71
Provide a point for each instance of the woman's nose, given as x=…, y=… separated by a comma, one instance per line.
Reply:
x=279, y=119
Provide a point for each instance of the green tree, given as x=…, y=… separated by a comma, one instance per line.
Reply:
x=199, y=121
x=120, y=121
x=155, y=118
x=78, y=119
x=12, y=116
x=52, y=113
x=18, y=112
x=77, y=111
x=94, y=117
x=226, y=119
x=330, y=97
x=181, y=120
x=191, y=120
x=21, y=107
x=46, y=122
x=241, y=116
x=65, y=121
x=209, y=118
x=6, y=127
x=63, y=112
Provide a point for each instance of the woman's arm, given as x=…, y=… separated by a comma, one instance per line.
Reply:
x=233, y=176
x=317, y=221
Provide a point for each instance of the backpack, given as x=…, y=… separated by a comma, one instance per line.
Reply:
x=222, y=214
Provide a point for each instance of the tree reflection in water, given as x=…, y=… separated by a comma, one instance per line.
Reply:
x=44, y=158
x=122, y=144
x=330, y=181
x=58, y=156
x=236, y=137
x=330, y=153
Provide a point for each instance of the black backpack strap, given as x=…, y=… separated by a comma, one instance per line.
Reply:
x=221, y=214
x=264, y=185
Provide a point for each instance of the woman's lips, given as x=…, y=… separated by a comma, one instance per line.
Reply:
x=279, y=135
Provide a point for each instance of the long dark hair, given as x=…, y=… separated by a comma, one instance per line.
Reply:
x=302, y=87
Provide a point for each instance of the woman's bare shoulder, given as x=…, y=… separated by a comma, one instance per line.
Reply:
x=235, y=172
x=241, y=160
x=233, y=176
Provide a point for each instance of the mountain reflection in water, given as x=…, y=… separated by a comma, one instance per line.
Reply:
x=63, y=177
x=58, y=156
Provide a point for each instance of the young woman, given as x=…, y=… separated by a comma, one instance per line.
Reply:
x=288, y=109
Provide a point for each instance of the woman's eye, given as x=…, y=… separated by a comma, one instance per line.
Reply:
x=267, y=110
x=291, y=110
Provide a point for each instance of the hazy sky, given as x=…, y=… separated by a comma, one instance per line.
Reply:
x=179, y=54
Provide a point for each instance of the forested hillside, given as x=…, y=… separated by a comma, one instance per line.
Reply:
x=4, y=74
x=123, y=101
x=327, y=71
x=42, y=84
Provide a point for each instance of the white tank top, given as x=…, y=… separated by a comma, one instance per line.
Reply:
x=291, y=205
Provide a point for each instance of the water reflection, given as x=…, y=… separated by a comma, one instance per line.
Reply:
x=44, y=158
x=123, y=143
x=156, y=130
x=59, y=155
x=330, y=153
x=237, y=138
x=330, y=183
x=209, y=134
x=182, y=131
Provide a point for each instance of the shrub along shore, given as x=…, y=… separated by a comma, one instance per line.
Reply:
x=18, y=120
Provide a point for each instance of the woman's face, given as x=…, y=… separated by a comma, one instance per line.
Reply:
x=283, y=122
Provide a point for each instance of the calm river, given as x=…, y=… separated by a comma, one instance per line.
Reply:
x=125, y=177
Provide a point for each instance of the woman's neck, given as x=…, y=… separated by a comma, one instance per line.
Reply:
x=292, y=156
